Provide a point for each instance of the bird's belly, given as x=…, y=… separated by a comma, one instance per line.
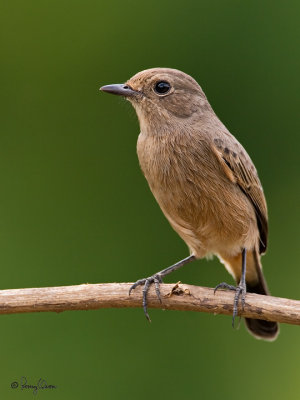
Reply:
x=208, y=211
x=209, y=223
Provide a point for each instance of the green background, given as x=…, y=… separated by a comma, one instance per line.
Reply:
x=75, y=208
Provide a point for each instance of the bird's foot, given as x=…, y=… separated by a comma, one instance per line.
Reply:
x=240, y=293
x=146, y=282
x=157, y=280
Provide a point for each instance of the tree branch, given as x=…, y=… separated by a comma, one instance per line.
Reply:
x=174, y=297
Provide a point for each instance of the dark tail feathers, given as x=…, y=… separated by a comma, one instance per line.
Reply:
x=267, y=330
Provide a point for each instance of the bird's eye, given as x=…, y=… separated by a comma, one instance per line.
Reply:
x=162, y=87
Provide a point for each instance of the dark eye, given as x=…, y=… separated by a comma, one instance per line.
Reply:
x=162, y=87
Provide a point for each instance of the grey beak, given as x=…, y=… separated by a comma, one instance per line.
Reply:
x=119, y=89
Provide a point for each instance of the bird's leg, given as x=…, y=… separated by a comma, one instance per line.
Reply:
x=240, y=290
x=157, y=279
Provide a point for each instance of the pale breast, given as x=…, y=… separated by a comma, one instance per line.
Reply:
x=201, y=204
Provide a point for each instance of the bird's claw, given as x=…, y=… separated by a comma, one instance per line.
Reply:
x=146, y=282
x=240, y=293
x=224, y=285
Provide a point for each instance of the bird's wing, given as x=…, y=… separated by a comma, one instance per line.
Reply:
x=240, y=169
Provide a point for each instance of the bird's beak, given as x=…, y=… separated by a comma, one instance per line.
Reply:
x=120, y=90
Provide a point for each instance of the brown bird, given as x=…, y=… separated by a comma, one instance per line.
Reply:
x=204, y=181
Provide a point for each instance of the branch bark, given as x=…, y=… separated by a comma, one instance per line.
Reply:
x=174, y=297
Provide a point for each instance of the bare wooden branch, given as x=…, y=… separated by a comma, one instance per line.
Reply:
x=174, y=297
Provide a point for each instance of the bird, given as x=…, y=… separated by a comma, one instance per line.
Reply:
x=204, y=182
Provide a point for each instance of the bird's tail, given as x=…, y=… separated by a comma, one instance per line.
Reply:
x=267, y=330
x=256, y=283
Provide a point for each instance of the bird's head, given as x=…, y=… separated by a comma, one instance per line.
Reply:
x=162, y=96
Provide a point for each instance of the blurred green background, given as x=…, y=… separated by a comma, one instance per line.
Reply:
x=75, y=208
